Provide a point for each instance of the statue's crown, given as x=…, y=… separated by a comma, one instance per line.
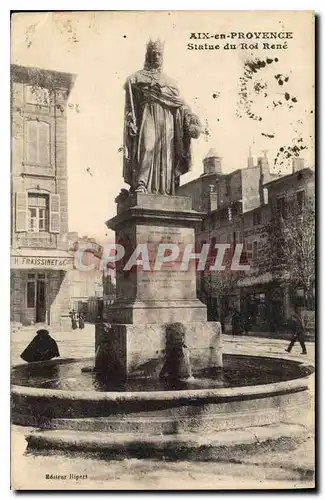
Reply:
x=155, y=45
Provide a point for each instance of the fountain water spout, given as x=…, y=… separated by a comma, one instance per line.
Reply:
x=177, y=365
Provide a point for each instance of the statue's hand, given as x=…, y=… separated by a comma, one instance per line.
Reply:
x=133, y=129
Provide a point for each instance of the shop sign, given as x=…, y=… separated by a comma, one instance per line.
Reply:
x=22, y=262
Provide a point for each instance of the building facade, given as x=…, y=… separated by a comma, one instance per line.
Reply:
x=92, y=287
x=227, y=199
x=260, y=303
x=40, y=261
x=242, y=207
x=292, y=216
x=86, y=280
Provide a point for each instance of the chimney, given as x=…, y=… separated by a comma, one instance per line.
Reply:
x=212, y=163
x=262, y=161
x=297, y=164
x=250, y=159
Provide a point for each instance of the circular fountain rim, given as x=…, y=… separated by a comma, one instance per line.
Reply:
x=230, y=393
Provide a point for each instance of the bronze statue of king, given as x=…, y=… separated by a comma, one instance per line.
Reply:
x=158, y=128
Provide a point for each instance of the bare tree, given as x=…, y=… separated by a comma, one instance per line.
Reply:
x=219, y=283
x=292, y=249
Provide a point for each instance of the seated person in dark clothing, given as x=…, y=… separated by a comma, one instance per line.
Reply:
x=41, y=348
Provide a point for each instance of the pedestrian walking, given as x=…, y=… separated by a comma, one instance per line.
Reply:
x=247, y=323
x=74, y=324
x=42, y=348
x=81, y=321
x=223, y=322
x=236, y=323
x=296, y=327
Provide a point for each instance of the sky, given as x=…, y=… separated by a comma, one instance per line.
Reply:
x=242, y=104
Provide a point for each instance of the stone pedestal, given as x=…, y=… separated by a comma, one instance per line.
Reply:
x=138, y=349
x=147, y=298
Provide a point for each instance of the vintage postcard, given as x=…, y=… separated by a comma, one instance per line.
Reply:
x=162, y=250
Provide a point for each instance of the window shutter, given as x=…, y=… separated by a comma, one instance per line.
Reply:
x=31, y=142
x=54, y=213
x=43, y=143
x=21, y=212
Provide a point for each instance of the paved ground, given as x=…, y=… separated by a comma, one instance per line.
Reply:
x=74, y=343
x=81, y=343
x=284, y=466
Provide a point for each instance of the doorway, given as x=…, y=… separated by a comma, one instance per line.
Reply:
x=40, y=300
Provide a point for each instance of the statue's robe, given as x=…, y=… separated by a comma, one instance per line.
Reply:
x=160, y=151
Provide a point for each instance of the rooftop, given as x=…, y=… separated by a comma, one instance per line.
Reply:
x=304, y=171
x=212, y=153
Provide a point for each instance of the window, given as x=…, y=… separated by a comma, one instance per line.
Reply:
x=300, y=297
x=248, y=250
x=234, y=210
x=37, y=142
x=255, y=250
x=31, y=294
x=256, y=218
x=281, y=206
x=300, y=199
x=38, y=213
x=265, y=214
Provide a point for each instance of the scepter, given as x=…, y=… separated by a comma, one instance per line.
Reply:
x=134, y=124
x=133, y=132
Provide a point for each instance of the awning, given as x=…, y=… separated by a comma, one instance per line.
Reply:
x=255, y=280
x=41, y=259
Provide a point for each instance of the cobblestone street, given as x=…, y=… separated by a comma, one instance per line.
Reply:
x=283, y=466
